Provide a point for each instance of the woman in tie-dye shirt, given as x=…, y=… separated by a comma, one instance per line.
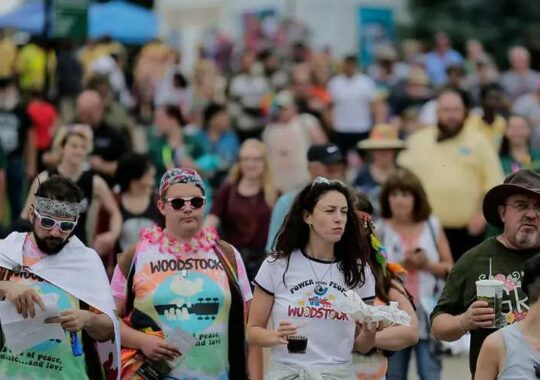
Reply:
x=180, y=279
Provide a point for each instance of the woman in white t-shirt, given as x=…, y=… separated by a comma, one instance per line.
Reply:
x=320, y=254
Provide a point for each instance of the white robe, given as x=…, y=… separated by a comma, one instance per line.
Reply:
x=77, y=270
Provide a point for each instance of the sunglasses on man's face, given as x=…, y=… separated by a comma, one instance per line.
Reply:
x=49, y=223
x=180, y=202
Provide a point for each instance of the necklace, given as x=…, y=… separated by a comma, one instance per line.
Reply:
x=319, y=289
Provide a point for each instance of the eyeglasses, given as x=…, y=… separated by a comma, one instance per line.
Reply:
x=49, y=223
x=180, y=202
x=251, y=159
x=523, y=206
x=326, y=181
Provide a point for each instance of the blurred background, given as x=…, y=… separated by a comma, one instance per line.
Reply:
x=186, y=82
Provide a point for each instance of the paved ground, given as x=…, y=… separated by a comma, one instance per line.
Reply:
x=454, y=368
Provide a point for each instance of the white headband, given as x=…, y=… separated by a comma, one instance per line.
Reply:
x=60, y=209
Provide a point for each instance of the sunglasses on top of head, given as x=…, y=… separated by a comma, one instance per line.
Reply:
x=179, y=202
x=322, y=180
x=49, y=223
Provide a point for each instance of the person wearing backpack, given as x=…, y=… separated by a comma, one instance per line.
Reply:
x=179, y=283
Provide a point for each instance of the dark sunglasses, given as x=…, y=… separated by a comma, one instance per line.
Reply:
x=49, y=223
x=180, y=202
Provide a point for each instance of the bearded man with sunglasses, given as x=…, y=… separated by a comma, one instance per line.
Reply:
x=184, y=294
x=50, y=269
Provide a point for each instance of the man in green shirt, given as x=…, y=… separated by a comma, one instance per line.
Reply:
x=514, y=206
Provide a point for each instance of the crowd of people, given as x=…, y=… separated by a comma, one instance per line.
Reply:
x=188, y=223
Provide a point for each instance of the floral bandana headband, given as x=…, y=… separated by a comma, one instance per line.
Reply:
x=60, y=209
x=180, y=175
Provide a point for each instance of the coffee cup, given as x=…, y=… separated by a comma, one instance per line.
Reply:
x=491, y=291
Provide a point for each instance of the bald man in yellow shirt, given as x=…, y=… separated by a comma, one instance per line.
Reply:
x=457, y=166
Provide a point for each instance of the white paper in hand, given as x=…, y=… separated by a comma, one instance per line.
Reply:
x=353, y=305
x=182, y=340
x=21, y=334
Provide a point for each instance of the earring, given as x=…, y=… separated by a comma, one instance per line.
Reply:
x=310, y=226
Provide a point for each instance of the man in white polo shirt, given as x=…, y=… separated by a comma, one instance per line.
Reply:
x=352, y=94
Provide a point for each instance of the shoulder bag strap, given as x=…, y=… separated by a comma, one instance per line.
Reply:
x=226, y=256
x=433, y=236
x=237, y=314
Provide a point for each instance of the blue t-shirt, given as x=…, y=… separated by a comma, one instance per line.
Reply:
x=225, y=148
x=279, y=212
x=436, y=65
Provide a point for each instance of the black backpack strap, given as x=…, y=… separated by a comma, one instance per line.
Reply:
x=236, y=328
x=130, y=296
x=227, y=258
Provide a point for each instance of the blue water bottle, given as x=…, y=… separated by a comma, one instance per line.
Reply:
x=76, y=347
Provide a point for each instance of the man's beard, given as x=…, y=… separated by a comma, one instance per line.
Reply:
x=50, y=245
x=527, y=240
x=447, y=132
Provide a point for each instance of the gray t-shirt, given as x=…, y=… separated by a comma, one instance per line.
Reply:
x=516, y=85
x=521, y=357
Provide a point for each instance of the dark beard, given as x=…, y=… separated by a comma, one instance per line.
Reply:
x=446, y=133
x=50, y=245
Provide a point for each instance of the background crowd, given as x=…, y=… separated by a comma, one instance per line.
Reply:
x=424, y=132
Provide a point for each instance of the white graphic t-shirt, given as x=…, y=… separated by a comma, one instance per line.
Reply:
x=312, y=289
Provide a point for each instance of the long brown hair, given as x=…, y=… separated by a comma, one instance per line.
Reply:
x=267, y=182
x=352, y=250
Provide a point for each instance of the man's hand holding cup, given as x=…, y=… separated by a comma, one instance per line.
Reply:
x=478, y=315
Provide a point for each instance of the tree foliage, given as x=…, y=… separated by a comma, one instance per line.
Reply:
x=497, y=23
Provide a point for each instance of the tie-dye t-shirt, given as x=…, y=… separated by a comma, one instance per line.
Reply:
x=183, y=285
x=52, y=359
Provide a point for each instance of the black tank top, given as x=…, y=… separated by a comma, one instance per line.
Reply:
x=132, y=224
x=86, y=183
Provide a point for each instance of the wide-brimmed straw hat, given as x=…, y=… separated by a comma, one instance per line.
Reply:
x=524, y=181
x=382, y=136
